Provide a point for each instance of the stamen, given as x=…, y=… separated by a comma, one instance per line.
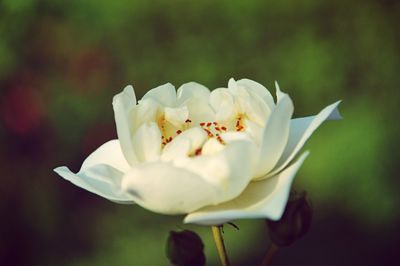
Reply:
x=197, y=152
x=208, y=124
x=188, y=121
x=223, y=128
x=178, y=132
x=220, y=139
x=202, y=124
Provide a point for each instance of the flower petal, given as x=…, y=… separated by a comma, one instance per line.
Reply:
x=247, y=102
x=300, y=131
x=258, y=89
x=222, y=103
x=261, y=199
x=275, y=136
x=109, y=153
x=176, y=116
x=147, y=142
x=164, y=188
x=100, y=179
x=192, y=90
x=164, y=94
x=123, y=104
x=184, y=144
x=230, y=169
x=146, y=111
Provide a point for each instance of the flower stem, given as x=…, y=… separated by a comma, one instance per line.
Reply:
x=269, y=256
x=219, y=242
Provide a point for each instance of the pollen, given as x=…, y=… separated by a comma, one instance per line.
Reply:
x=197, y=152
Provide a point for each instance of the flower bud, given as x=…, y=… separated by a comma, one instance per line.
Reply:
x=295, y=221
x=185, y=248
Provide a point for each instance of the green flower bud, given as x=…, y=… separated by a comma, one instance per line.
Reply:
x=185, y=248
x=295, y=221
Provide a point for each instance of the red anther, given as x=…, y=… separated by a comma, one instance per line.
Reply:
x=237, y=123
x=208, y=124
x=223, y=128
x=202, y=124
x=188, y=121
x=220, y=139
x=215, y=123
x=217, y=128
x=198, y=151
x=178, y=132
x=162, y=137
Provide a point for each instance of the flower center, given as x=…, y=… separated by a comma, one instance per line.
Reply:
x=212, y=128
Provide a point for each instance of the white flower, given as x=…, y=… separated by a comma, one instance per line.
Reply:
x=216, y=157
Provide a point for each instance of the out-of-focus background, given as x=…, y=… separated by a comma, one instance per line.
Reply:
x=62, y=61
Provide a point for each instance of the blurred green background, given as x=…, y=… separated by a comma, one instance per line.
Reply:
x=62, y=61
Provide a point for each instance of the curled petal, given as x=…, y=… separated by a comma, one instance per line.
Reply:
x=230, y=169
x=192, y=90
x=164, y=188
x=147, y=142
x=100, y=179
x=123, y=104
x=164, y=94
x=146, y=111
x=101, y=172
x=250, y=103
x=258, y=89
x=109, y=153
x=176, y=116
x=261, y=199
x=275, y=136
x=184, y=144
x=301, y=130
x=223, y=104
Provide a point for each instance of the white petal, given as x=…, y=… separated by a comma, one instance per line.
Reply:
x=254, y=131
x=260, y=90
x=192, y=90
x=231, y=136
x=275, y=136
x=146, y=111
x=261, y=199
x=184, y=144
x=109, y=153
x=123, y=103
x=176, y=116
x=300, y=131
x=279, y=93
x=230, y=170
x=199, y=111
x=163, y=188
x=147, y=142
x=212, y=146
x=164, y=94
x=222, y=103
x=100, y=179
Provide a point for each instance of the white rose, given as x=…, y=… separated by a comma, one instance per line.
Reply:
x=216, y=157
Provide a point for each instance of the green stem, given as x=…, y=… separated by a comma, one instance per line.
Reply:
x=219, y=242
x=270, y=255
